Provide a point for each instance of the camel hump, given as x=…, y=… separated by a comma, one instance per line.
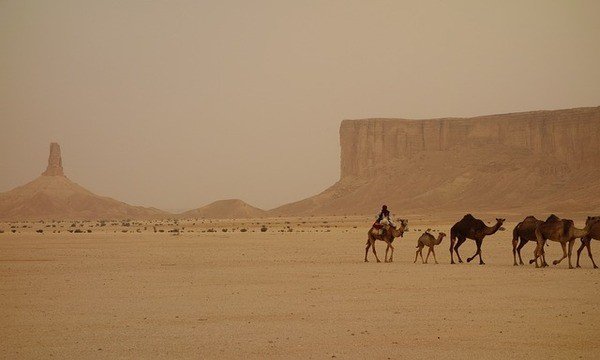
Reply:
x=553, y=218
x=530, y=217
x=469, y=217
x=567, y=224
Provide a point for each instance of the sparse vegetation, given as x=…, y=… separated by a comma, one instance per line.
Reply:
x=263, y=229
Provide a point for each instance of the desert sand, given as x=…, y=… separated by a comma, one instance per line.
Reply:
x=298, y=290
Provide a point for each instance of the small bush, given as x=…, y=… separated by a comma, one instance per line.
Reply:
x=224, y=230
x=39, y=231
x=263, y=229
x=243, y=230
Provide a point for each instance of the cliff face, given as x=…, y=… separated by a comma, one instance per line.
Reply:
x=569, y=136
x=543, y=161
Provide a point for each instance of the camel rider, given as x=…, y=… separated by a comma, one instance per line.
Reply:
x=385, y=215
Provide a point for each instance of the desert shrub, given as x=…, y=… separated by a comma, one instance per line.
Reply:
x=14, y=231
x=161, y=230
x=263, y=228
x=78, y=231
x=224, y=230
x=1, y=231
x=89, y=231
x=243, y=230
x=39, y=231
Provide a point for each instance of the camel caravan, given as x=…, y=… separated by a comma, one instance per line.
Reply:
x=531, y=229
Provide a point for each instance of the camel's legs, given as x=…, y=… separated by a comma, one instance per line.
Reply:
x=417, y=253
x=571, y=243
x=387, y=249
x=514, y=244
x=427, y=257
x=458, y=244
x=579, y=251
x=421, y=253
x=564, y=248
x=521, y=244
x=375, y=252
x=543, y=255
x=536, y=253
x=433, y=252
x=589, y=250
x=478, y=252
x=367, y=249
x=479, y=242
x=452, y=239
x=392, y=254
x=587, y=243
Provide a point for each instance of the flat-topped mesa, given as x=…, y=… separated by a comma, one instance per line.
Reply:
x=567, y=136
x=54, y=162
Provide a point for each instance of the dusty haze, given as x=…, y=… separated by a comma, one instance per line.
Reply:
x=175, y=105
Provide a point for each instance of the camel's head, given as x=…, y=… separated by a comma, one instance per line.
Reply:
x=500, y=221
x=592, y=220
x=404, y=223
x=442, y=235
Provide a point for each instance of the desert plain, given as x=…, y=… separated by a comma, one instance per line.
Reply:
x=300, y=289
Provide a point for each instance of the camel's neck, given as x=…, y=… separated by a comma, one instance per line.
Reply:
x=493, y=229
x=579, y=233
x=439, y=239
x=399, y=231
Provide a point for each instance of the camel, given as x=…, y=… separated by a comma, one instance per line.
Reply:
x=594, y=223
x=525, y=230
x=388, y=236
x=559, y=230
x=428, y=240
x=470, y=228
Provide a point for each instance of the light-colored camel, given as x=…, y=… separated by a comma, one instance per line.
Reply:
x=470, y=228
x=525, y=230
x=559, y=230
x=594, y=223
x=430, y=241
x=389, y=234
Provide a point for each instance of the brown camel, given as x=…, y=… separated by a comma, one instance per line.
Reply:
x=388, y=236
x=470, y=228
x=594, y=223
x=559, y=230
x=428, y=240
x=525, y=230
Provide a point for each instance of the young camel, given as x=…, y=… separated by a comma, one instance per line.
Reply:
x=559, y=230
x=470, y=228
x=388, y=237
x=525, y=230
x=594, y=223
x=430, y=241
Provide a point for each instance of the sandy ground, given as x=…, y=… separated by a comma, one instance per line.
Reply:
x=300, y=294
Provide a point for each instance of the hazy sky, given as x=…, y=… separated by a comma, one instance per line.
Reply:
x=175, y=104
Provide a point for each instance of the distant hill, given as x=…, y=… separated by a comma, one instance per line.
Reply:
x=54, y=196
x=225, y=209
x=546, y=161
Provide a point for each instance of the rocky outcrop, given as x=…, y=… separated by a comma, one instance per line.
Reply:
x=532, y=161
x=54, y=162
x=54, y=196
